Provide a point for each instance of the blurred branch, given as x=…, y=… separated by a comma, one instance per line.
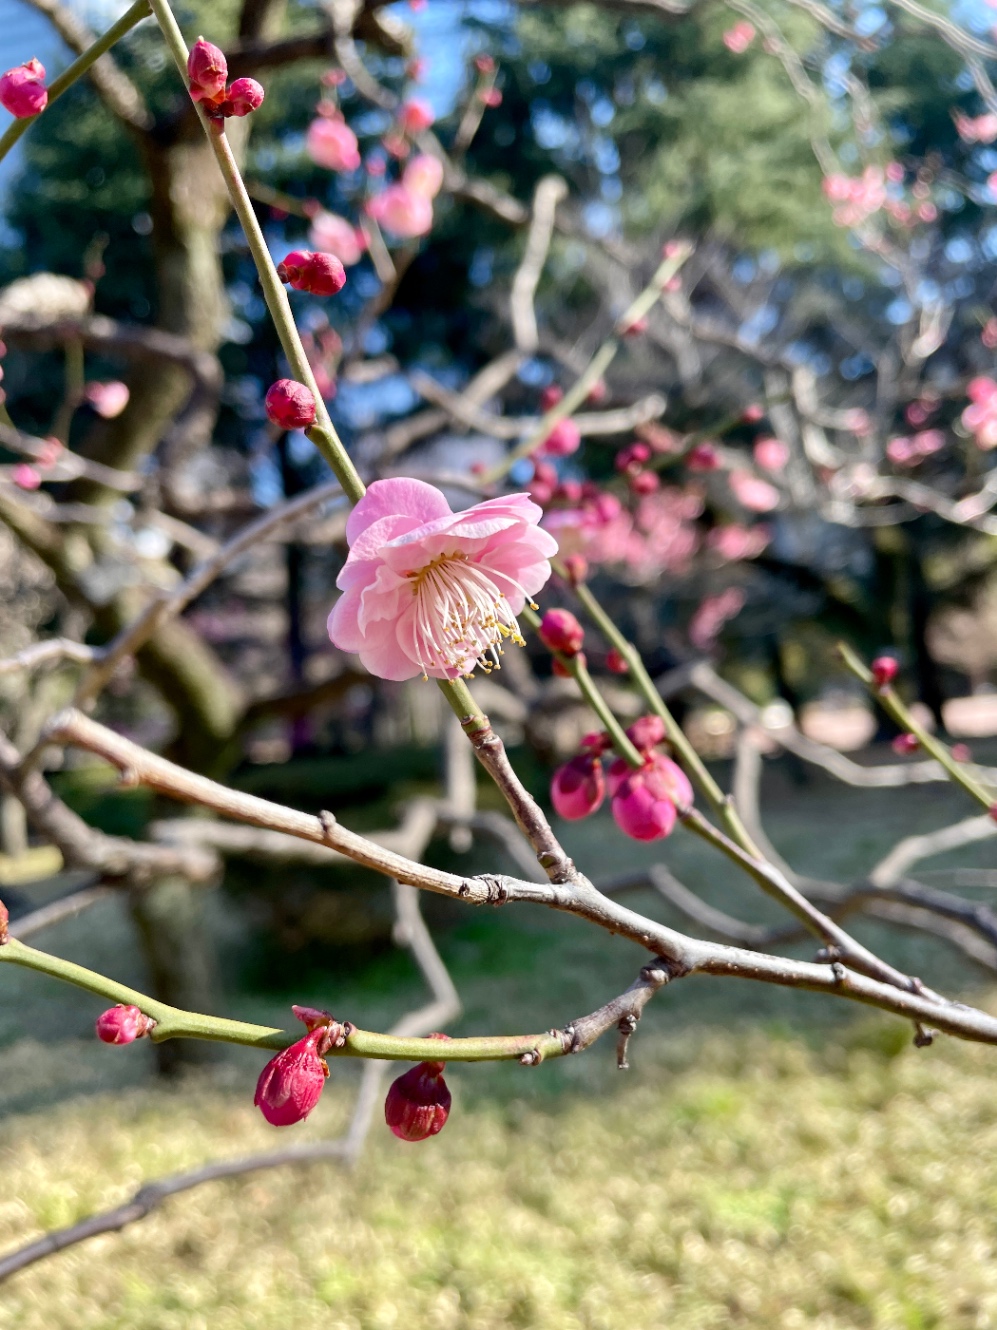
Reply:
x=68, y=907
x=549, y=192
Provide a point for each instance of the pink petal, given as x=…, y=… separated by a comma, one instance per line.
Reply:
x=396, y=496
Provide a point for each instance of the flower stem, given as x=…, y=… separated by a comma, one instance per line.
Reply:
x=323, y=432
x=174, y=1023
x=138, y=11
x=590, y=691
x=595, y=369
x=897, y=711
x=696, y=769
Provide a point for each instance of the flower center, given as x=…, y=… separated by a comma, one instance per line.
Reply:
x=462, y=616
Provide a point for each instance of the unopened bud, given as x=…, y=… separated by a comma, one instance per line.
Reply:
x=576, y=567
x=578, y=788
x=291, y=1083
x=905, y=744
x=319, y=274
x=561, y=631
x=550, y=396
x=415, y=116
x=4, y=921
x=646, y=733
x=207, y=70
x=884, y=670
x=616, y=663
x=22, y=89
x=242, y=98
x=289, y=404
x=418, y=1103
x=123, y=1024
x=563, y=439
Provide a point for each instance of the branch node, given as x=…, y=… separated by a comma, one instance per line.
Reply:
x=532, y=1058
x=626, y=1026
x=328, y=822
x=923, y=1037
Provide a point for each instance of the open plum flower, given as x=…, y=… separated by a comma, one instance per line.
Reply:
x=433, y=592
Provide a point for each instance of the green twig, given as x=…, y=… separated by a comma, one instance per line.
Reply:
x=595, y=369
x=590, y=691
x=897, y=711
x=140, y=10
x=323, y=432
x=173, y=1023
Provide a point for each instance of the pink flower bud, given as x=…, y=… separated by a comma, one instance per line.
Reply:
x=107, y=399
x=635, y=328
x=207, y=70
x=123, y=1024
x=332, y=144
x=243, y=97
x=25, y=476
x=484, y=64
x=490, y=97
x=561, y=631
x=418, y=1104
x=576, y=566
x=563, y=439
x=4, y=920
x=319, y=274
x=289, y=404
x=578, y=788
x=291, y=1083
x=962, y=753
x=615, y=662
x=771, y=454
x=752, y=413
x=703, y=457
x=22, y=89
x=645, y=801
x=646, y=733
x=550, y=397
x=415, y=116
x=402, y=211
x=424, y=175
x=905, y=744
x=632, y=457
x=644, y=482
x=884, y=670
x=597, y=394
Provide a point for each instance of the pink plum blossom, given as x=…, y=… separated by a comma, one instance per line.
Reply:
x=432, y=592
x=335, y=235
x=857, y=197
x=563, y=439
x=712, y=614
x=753, y=493
x=981, y=129
x=107, y=399
x=415, y=115
x=424, y=175
x=332, y=144
x=981, y=417
x=734, y=542
x=739, y=37
x=771, y=454
x=402, y=211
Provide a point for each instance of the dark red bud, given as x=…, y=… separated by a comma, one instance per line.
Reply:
x=418, y=1104
x=550, y=397
x=242, y=98
x=646, y=733
x=291, y=1083
x=561, y=631
x=905, y=744
x=615, y=662
x=207, y=70
x=884, y=670
x=123, y=1024
x=319, y=274
x=289, y=404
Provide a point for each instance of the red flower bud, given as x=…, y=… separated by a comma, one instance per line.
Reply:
x=289, y=404
x=645, y=801
x=242, y=97
x=703, y=457
x=415, y=116
x=578, y=788
x=418, y=1104
x=291, y=1083
x=320, y=274
x=905, y=744
x=646, y=733
x=561, y=631
x=22, y=89
x=4, y=919
x=645, y=482
x=576, y=566
x=123, y=1024
x=615, y=662
x=632, y=457
x=884, y=670
x=635, y=327
x=550, y=397
x=563, y=439
x=207, y=70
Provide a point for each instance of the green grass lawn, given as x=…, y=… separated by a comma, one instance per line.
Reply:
x=772, y=1160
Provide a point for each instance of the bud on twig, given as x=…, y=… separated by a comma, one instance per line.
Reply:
x=123, y=1024
x=22, y=89
x=289, y=404
x=418, y=1104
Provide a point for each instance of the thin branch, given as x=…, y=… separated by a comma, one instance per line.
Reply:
x=54, y=913
x=549, y=192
